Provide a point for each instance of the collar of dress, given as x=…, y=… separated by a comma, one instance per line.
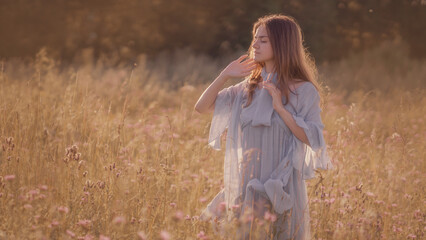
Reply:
x=262, y=111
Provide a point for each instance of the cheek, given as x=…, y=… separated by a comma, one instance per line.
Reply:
x=270, y=50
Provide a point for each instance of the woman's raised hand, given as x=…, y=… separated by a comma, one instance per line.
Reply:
x=238, y=69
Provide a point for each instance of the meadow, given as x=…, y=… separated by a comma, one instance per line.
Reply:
x=118, y=152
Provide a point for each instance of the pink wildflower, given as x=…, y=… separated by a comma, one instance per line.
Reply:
x=102, y=237
x=370, y=194
x=63, y=209
x=222, y=206
x=178, y=215
x=70, y=233
x=86, y=237
x=270, y=217
x=142, y=235
x=28, y=206
x=85, y=223
x=119, y=220
x=202, y=235
x=164, y=235
x=54, y=223
x=9, y=177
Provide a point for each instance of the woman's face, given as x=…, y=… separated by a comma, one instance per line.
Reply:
x=262, y=46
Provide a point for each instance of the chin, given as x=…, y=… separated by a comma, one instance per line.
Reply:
x=257, y=59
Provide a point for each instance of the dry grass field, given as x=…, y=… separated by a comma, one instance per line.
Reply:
x=119, y=152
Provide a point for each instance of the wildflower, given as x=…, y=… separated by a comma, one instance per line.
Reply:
x=33, y=192
x=173, y=204
x=28, y=206
x=175, y=135
x=43, y=187
x=270, y=216
x=396, y=229
x=80, y=164
x=9, y=177
x=70, y=233
x=102, y=237
x=119, y=220
x=178, y=215
x=417, y=213
x=164, y=235
x=74, y=148
x=412, y=236
x=202, y=235
x=370, y=194
x=84, y=223
x=9, y=140
x=142, y=235
x=87, y=237
x=101, y=185
x=63, y=209
x=54, y=223
x=203, y=199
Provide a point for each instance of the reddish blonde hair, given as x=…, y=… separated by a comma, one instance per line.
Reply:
x=291, y=60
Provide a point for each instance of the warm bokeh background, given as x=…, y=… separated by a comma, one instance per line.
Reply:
x=99, y=139
x=126, y=28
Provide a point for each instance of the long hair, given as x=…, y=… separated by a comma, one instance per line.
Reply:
x=291, y=59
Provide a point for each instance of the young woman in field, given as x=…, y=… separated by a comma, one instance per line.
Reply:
x=274, y=140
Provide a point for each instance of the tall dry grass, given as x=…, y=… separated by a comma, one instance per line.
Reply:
x=97, y=153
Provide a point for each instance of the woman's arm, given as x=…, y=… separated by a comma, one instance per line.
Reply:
x=292, y=125
x=237, y=68
x=206, y=102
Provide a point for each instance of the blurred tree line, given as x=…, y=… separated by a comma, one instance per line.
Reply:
x=126, y=28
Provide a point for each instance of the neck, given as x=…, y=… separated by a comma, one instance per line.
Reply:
x=269, y=66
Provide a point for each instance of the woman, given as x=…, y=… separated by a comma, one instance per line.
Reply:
x=274, y=140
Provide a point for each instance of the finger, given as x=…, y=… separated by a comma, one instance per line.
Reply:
x=242, y=57
x=248, y=61
x=269, y=86
x=249, y=67
x=265, y=85
x=268, y=83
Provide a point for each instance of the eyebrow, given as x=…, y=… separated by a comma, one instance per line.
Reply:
x=260, y=36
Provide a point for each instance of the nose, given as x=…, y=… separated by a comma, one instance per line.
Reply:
x=255, y=45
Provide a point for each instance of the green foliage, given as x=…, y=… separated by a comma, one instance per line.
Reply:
x=127, y=28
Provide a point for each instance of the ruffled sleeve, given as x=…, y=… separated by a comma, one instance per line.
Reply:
x=222, y=113
x=307, y=158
